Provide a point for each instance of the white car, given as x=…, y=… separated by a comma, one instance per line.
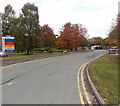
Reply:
x=2, y=54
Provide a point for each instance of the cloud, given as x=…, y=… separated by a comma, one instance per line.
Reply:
x=96, y=15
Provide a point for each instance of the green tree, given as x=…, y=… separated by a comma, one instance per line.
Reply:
x=0, y=42
x=105, y=41
x=96, y=41
x=0, y=31
x=7, y=16
x=83, y=42
x=18, y=30
x=31, y=24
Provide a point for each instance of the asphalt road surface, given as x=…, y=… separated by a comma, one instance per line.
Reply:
x=46, y=81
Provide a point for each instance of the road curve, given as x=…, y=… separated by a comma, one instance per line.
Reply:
x=47, y=81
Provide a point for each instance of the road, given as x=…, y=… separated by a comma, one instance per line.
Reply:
x=46, y=81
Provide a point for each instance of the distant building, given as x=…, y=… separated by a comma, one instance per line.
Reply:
x=96, y=47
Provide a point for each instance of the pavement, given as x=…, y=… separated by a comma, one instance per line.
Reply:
x=51, y=80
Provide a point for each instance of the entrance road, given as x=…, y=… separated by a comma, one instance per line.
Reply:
x=47, y=81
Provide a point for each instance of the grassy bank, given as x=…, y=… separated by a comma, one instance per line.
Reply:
x=18, y=56
x=104, y=74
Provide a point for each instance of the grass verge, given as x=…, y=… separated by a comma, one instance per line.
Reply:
x=104, y=74
x=19, y=56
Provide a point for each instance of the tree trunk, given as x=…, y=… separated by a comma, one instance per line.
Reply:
x=28, y=51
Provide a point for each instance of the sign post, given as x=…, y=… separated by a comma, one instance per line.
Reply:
x=113, y=52
x=8, y=43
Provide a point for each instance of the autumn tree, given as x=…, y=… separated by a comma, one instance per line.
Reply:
x=70, y=35
x=48, y=36
x=114, y=34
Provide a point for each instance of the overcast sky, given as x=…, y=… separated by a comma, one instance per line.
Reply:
x=96, y=15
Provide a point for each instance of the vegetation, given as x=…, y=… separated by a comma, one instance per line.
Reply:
x=114, y=34
x=96, y=41
x=19, y=55
x=0, y=42
x=39, y=50
x=7, y=17
x=104, y=74
x=31, y=24
x=29, y=34
x=48, y=36
x=71, y=36
x=25, y=28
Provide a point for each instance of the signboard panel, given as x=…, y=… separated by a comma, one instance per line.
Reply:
x=8, y=43
x=113, y=51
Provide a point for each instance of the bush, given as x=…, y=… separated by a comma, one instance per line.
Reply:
x=56, y=50
x=50, y=51
x=39, y=50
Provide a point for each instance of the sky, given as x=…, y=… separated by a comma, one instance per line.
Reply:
x=96, y=15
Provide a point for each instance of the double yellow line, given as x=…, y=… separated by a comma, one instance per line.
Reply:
x=80, y=78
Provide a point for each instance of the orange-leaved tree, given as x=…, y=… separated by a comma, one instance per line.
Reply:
x=114, y=34
x=71, y=35
x=48, y=36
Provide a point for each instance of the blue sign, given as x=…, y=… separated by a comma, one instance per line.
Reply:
x=9, y=40
x=8, y=43
x=7, y=36
x=9, y=50
x=113, y=52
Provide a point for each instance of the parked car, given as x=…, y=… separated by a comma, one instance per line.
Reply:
x=2, y=54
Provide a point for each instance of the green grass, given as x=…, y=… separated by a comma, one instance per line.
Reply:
x=18, y=56
x=104, y=74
